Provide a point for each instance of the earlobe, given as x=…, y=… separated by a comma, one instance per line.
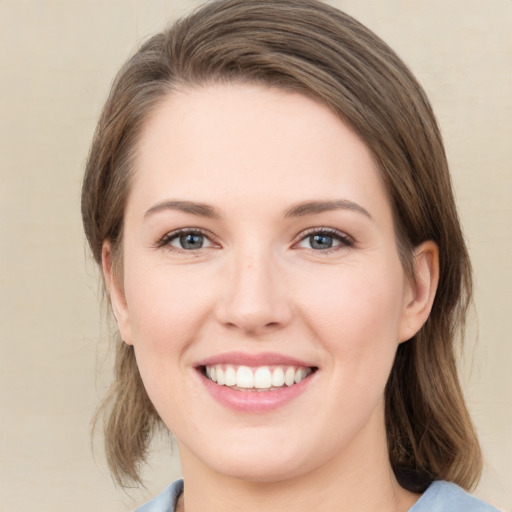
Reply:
x=116, y=293
x=422, y=290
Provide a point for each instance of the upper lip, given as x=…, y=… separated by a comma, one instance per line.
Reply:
x=246, y=359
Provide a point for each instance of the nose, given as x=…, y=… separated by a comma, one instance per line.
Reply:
x=255, y=298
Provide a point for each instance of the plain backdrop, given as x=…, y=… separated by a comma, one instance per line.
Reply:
x=57, y=60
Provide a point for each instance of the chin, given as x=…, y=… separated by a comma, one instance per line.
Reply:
x=267, y=461
x=268, y=471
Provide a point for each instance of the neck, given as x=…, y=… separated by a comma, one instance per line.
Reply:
x=357, y=480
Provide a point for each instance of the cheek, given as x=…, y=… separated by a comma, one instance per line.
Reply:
x=357, y=316
x=166, y=312
x=165, y=302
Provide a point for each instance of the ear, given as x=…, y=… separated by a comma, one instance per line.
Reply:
x=421, y=291
x=116, y=293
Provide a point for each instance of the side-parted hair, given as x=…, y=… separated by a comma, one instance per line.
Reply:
x=308, y=47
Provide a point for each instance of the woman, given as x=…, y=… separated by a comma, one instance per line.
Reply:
x=269, y=199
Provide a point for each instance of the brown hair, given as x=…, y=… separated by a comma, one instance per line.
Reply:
x=317, y=50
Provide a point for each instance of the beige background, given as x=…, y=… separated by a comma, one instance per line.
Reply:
x=57, y=58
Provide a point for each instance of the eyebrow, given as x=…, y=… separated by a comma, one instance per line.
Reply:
x=199, y=209
x=314, y=207
x=298, y=210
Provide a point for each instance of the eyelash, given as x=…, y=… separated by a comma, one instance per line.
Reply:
x=345, y=241
x=166, y=240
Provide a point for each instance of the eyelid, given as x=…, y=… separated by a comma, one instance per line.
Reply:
x=346, y=241
x=164, y=241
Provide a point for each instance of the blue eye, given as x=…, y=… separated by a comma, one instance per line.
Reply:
x=321, y=241
x=185, y=240
x=190, y=241
x=325, y=240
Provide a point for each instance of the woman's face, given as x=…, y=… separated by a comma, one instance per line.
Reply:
x=259, y=246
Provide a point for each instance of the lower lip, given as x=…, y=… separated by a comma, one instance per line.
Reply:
x=255, y=401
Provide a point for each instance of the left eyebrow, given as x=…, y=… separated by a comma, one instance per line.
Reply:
x=314, y=207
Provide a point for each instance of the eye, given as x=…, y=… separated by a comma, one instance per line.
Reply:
x=325, y=239
x=185, y=240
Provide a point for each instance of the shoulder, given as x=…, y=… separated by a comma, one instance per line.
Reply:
x=447, y=497
x=165, y=501
x=439, y=497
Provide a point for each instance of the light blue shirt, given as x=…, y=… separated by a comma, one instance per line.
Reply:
x=439, y=497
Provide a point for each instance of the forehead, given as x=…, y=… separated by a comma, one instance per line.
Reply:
x=254, y=143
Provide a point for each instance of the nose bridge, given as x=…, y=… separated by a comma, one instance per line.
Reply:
x=255, y=297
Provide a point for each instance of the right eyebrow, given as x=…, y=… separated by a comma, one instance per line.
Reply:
x=199, y=209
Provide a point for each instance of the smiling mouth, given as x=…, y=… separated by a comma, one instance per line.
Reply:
x=261, y=378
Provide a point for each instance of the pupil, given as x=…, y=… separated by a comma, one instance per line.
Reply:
x=191, y=241
x=321, y=241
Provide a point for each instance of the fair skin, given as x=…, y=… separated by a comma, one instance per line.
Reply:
x=264, y=278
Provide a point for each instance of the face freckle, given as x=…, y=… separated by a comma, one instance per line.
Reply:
x=290, y=261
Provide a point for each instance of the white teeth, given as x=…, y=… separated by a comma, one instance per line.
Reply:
x=299, y=375
x=262, y=377
x=289, y=376
x=244, y=377
x=220, y=377
x=278, y=377
x=230, y=376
